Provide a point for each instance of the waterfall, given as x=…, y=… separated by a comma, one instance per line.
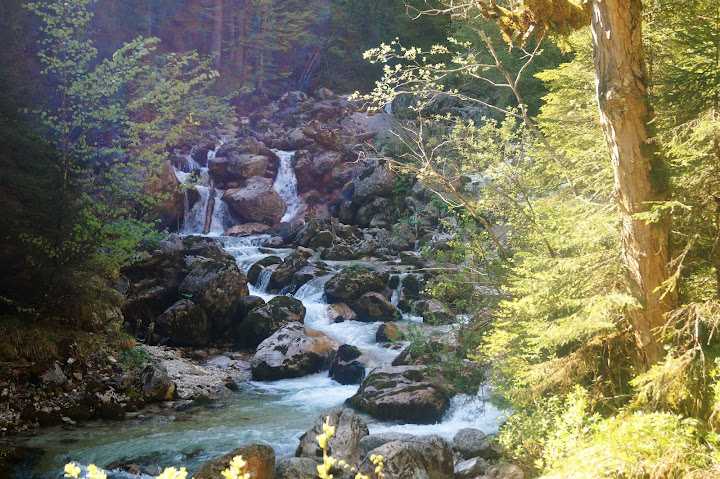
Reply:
x=209, y=215
x=286, y=185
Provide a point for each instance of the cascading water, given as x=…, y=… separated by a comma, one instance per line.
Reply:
x=274, y=413
x=209, y=214
x=286, y=185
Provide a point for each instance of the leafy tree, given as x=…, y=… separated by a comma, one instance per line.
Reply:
x=111, y=122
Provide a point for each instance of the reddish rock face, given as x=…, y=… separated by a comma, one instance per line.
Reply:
x=257, y=201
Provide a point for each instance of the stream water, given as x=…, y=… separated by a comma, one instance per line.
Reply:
x=274, y=413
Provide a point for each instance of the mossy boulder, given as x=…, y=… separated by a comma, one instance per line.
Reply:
x=375, y=307
x=262, y=322
x=185, y=323
x=403, y=393
x=283, y=274
x=215, y=285
x=257, y=268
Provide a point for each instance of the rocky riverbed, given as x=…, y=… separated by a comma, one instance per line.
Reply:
x=305, y=295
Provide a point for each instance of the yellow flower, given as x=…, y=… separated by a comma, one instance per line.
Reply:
x=235, y=470
x=172, y=473
x=71, y=470
x=95, y=472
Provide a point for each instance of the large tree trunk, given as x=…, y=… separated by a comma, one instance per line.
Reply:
x=625, y=115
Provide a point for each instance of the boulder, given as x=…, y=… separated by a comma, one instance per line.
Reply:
x=283, y=274
x=294, y=140
x=291, y=352
x=375, y=307
x=306, y=233
x=339, y=252
x=215, y=285
x=260, y=460
x=346, y=368
x=368, y=211
x=248, y=229
x=243, y=306
x=469, y=442
x=343, y=445
x=185, y=323
x=256, y=201
x=296, y=468
x=151, y=286
x=255, y=270
x=411, y=286
x=351, y=283
x=388, y=332
x=434, y=311
x=237, y=167
x=306, y=274
x=374, y=179
x=470, y=468
x=262, y=322
x=274, y=242
x=423, y=457
x=372, y=441
x=156, y=384
x=321, y=239
x=403, y=393
x=339, y=312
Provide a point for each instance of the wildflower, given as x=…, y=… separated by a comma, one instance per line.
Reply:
x=235, y=471
x=71, y=470
x=95, y=472
x=172, y=473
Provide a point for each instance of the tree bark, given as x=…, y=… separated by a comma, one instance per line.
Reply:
x=625, y=115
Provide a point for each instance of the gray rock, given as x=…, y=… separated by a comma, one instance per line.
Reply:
x=470, y=468
x=374, y=179
x=372, y=441
x=349, y=429
x=346, y=368
x=54, y=376
x=156, y=384
x=215, y=285
x=237, y=167
x=296, y=468
x=292, y=352
x=185, y=323
x=469, y=442
x=339, y=312
x=424, y=457
x=262, y=322
x=404, y=393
